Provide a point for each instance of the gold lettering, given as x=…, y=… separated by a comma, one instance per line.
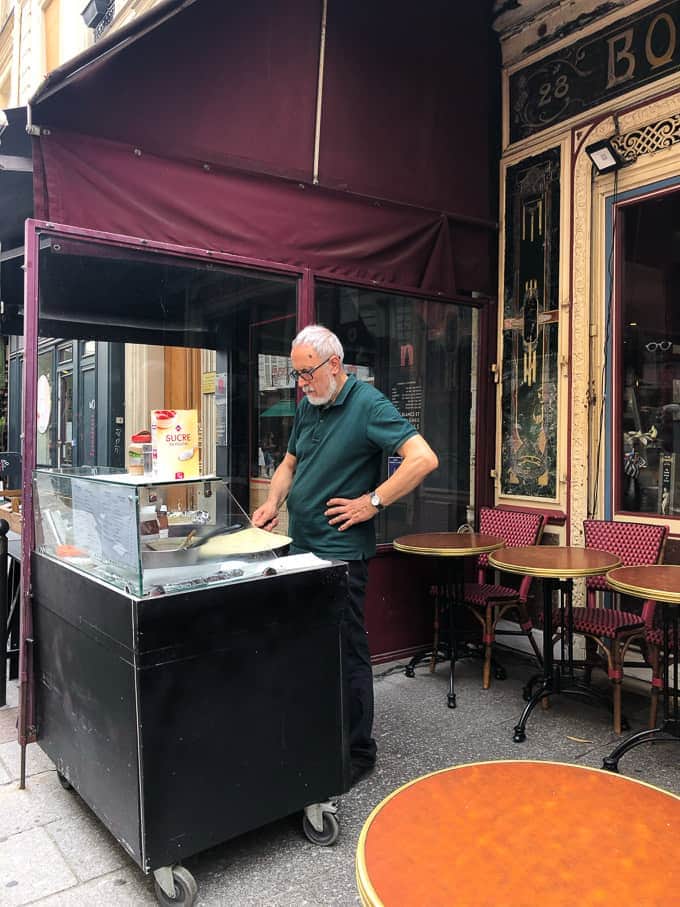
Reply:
x=617, y=56
x=654, y=60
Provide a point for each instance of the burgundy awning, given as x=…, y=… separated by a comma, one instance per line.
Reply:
x=196, y=124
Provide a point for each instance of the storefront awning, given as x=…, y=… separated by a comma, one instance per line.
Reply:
x=273, y=138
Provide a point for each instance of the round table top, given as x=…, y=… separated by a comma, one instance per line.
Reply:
x=514, y=832
x=660, y=582
x=552, y=561
x=448, y=544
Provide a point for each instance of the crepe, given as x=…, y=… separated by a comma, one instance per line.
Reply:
x=247, y=541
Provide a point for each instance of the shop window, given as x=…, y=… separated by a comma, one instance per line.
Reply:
x=46, y=449
x=52, y=33
x=649, y=437
x=422, y=355
x=65, y=354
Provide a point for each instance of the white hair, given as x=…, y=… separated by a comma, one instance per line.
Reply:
x=322, y=341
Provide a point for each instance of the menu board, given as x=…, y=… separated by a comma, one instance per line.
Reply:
x=105, y=521
x=407, y=396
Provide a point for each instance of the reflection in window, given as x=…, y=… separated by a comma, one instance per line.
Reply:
x=650, y=357
x=423, y=356
x=197, y=343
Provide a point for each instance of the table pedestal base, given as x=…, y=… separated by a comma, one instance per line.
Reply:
x=669, y=732
x=560, y=678
x=448, y=595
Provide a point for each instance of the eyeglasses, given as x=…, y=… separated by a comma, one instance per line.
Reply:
x=307, y=373
x=660, y=345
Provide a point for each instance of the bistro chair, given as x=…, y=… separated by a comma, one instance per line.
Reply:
x=488, y=601
x=611, y=631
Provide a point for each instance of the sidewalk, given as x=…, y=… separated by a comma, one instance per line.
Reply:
x=54, y=853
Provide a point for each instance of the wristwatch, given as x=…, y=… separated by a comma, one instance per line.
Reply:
x=376, y=502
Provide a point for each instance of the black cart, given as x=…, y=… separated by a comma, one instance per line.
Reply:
x=185, y=720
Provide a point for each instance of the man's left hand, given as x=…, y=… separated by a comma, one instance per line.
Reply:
x=346, y=512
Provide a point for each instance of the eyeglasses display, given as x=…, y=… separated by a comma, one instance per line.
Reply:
x=307, y=373
x=664, y=345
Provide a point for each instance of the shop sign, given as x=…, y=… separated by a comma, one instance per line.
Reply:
x=208, y=380
x=616, y=60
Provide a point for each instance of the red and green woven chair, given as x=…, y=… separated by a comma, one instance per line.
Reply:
x=488, y=601
x=609, y=632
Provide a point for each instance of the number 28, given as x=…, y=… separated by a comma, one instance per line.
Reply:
x=557, y=90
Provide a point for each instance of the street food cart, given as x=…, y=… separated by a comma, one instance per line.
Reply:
x=188, y=702
x=181, y=668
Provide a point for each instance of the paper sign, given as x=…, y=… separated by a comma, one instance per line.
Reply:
x=174, y=443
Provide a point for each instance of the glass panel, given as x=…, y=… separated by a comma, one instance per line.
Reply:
x=87, y=424
x=126, y=532
x=176, y=390
x=273, y=405
x=65, y=353
x=46, y=441
x=65, y=404
x=422, y=355
x=650, y=356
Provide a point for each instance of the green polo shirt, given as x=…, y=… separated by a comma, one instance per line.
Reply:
x=339, y=450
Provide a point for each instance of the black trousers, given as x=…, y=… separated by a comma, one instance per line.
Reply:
x=357, y=668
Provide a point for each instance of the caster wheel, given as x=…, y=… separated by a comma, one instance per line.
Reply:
x=329, y=835
x=624, y=724
x=64, y=783
x=610, y=765
x=519, y=736
x=451, y=701
x=185, y=889
x=500, y=674
x=408, y=670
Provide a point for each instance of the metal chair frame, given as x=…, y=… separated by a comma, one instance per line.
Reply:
x=634, y=543
x=494, y=601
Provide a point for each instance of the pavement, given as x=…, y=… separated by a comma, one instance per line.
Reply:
x=54, y=853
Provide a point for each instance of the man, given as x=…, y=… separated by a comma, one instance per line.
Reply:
x=330, y=479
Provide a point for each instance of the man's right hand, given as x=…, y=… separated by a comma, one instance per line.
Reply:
x=266, y=517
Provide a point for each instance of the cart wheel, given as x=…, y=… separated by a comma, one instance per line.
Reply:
x=64, y=783
x=186, y=889
x=329, y=835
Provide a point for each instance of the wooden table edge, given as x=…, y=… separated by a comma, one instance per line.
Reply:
x=448, y=552
x=671, y=598
x=549, y=572
x=366, y=889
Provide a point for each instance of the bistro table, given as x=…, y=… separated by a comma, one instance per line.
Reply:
x=513, y=832
x=557, y=566
x=660, y=582
x=453, y=547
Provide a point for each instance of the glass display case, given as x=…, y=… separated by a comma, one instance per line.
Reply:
x=151, y=538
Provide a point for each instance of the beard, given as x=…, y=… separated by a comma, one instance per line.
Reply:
x=322, y=400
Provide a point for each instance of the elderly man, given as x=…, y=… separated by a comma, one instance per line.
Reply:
x=330, y=478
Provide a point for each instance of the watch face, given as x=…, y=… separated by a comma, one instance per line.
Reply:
x=375, y=501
